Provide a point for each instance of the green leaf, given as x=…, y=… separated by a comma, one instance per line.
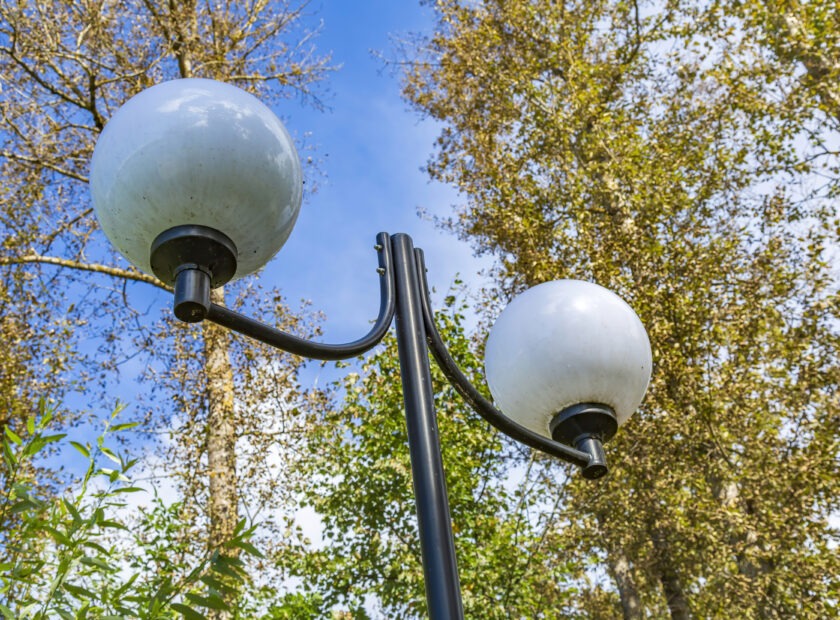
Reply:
x=188, y=612
x=46, y=416
x=128, y=490
x=213, y=601
x=24, y=505
x=84, y=450
x=215, y=584
x=78, y=591
x=89, y=561
x=94, y=545
x=33, y=447
x=126, y=584
x=12, y=435
x=53, y=438
x=21, y=490
x=59, y=537
x=226, y=569
x=71, y=509
x=112, y=474
x=240, y=526
x=107, y=452
x=124, y=427
x=119, y=408
x=247, y=548
x=9, y=457
x=108, y=523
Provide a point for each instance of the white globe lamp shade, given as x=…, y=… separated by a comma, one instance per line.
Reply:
x=196, y=152
x=562, y=344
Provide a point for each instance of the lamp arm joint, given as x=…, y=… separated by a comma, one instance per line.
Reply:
x=306, y=348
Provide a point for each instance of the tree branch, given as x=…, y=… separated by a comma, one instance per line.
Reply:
x=116, y=272
x=38, y=161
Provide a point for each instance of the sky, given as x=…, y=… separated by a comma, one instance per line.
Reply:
x=372, y=149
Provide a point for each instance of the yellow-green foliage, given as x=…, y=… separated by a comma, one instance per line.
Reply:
x=680, y=153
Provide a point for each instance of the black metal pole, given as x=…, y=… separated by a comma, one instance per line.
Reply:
x=443, y=589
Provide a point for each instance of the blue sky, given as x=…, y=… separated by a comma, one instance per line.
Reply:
x=372, y=148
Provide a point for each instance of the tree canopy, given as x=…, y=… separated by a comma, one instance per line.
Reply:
x=682, y=154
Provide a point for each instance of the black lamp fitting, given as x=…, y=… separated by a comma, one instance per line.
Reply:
x=586, y=427
x=194, y=259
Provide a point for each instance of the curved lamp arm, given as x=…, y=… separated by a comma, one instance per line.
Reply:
x=474, y=398
x=299, y=346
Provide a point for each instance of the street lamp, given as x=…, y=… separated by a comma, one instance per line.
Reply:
x=199, y=183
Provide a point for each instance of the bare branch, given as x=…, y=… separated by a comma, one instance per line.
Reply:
x=116, y=272
x=35, y=161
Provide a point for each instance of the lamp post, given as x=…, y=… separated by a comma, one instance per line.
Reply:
x=199, y=183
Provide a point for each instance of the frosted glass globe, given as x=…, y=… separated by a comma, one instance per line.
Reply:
x=196, y=151
x=564, y=343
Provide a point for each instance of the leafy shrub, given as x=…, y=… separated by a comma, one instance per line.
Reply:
x=82, y=554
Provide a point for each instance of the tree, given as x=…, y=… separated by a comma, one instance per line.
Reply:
x=659, y=149
x=66, y=67
x=357, y=479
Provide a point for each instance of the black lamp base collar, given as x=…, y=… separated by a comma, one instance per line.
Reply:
x=194, y=259
x=586, y=427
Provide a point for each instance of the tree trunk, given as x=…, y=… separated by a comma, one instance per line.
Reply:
x=631, y=604
x=674, y=594
x=223, y=498
x=222, y=490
